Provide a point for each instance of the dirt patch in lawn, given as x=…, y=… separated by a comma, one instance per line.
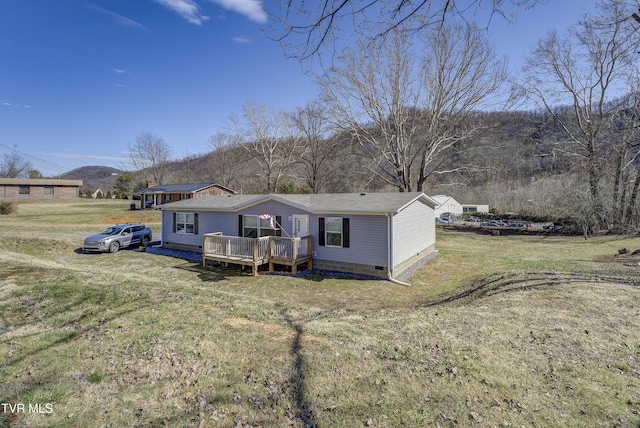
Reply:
x=626, y=258
x=129, y=218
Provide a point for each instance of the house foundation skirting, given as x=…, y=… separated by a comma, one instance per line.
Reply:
x=405, y=268
x=411, y=262
x=336, y=266
x=182, y=247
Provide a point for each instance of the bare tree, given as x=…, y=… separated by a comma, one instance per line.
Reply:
x=224, y=160
x=407, y=114
x=461, y=74
x=584, y=73
x=316, y=161
x=270, y=138
x=622, y=162
x=15, y=166
x=151, y=155
x=375, y=97
x=306, y=26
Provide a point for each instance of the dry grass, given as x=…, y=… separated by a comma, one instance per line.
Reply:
x=496, y=331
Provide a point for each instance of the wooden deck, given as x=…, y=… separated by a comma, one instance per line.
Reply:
x=256, y=252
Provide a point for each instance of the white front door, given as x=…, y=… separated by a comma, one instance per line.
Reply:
x=300, y=225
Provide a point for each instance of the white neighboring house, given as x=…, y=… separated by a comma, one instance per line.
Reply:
x=446, y=204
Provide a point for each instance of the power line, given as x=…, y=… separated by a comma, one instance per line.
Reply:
x=36, y=160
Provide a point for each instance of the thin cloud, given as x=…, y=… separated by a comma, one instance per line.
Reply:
x=241, y=40
x=119, y=71
x=187, y=9
x=8, y=104
x=252, y=9
x=190, y=11
x=86, y=156
x=122, y=20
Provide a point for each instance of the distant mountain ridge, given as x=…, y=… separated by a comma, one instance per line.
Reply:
x=94, y=176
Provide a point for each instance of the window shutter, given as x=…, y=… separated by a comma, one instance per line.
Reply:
x=321, y=231
x=195, y=223
x=175, y=226
x=240, y=225
x=345, y=232
x=279, y=225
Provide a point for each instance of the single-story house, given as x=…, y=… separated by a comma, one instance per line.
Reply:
x=39, y=188
x=446, y=204
x=155, y=195
x=380, y=234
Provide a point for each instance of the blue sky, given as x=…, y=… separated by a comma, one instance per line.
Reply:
x=81, y=79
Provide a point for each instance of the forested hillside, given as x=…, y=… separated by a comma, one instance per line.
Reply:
x=523, y=162
x=514, y=162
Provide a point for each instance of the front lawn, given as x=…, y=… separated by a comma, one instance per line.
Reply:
x=495, y=331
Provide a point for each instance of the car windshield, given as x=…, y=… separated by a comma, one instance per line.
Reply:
x=111, y=231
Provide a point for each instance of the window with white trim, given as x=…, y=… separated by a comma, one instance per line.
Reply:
x=250, y=227
x=186, y=223
x=254, y=226
x=333, y=231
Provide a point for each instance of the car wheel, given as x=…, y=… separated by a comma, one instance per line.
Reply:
x=114, y=247
x=145, y=241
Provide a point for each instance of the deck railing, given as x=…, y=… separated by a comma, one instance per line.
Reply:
x=290, y=249
x=256, y=251
x=236, y=247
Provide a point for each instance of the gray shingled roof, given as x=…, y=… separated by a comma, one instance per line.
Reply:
x=316, y=203
x=178, y=188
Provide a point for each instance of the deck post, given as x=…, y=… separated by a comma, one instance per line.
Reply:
x=204, y=243
x=294, y=250
x=255, y=244
x=271, y=244
x=294, y=255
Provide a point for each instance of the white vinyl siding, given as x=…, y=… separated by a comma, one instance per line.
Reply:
x=413, y=231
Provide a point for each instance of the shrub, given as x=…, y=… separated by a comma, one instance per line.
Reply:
x=7, y=208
